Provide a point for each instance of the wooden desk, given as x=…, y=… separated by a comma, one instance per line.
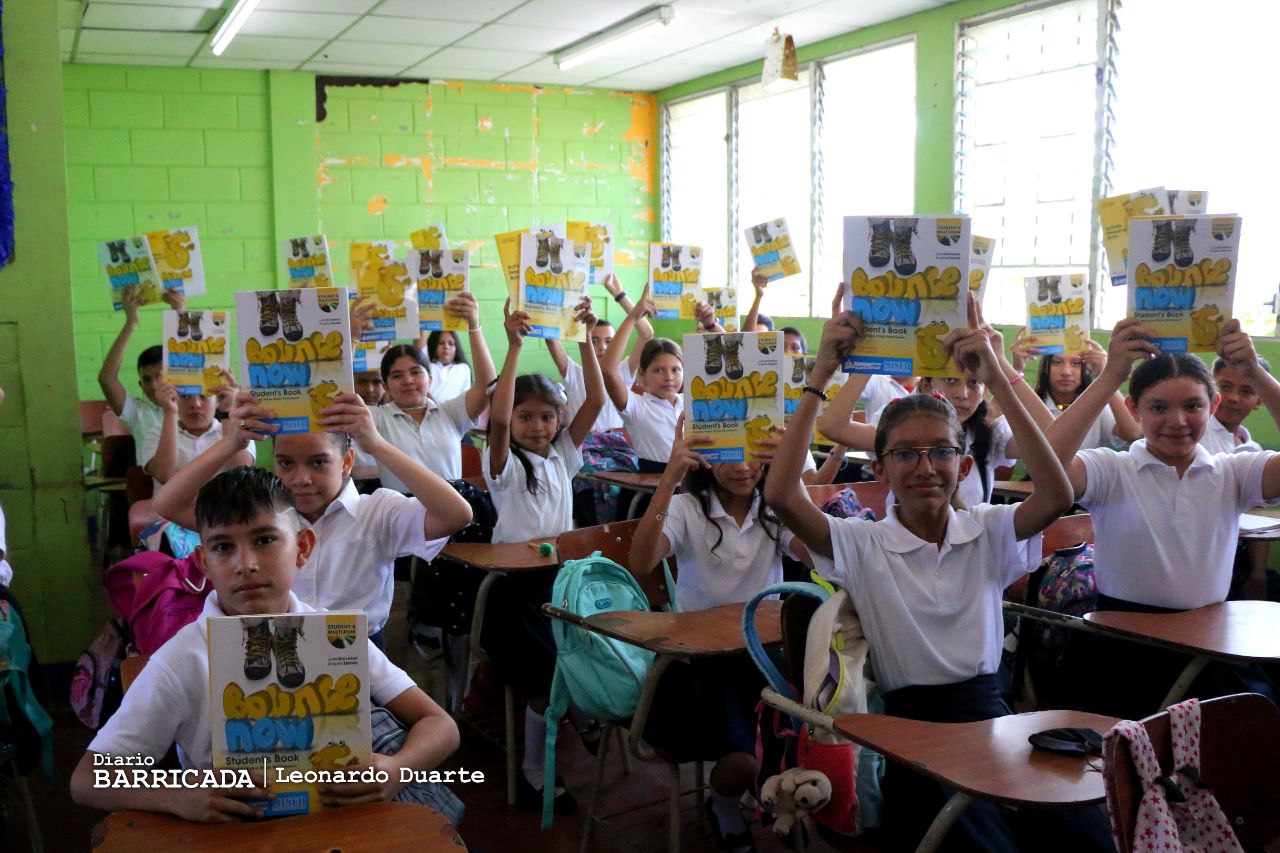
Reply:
x=1012, y=490
x=683, y=636
x=641, y=484
x=94, y=483
x=374, y=826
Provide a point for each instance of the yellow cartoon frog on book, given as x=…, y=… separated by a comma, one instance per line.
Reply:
x=929, y=350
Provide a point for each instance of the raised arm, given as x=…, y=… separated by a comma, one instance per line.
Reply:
x=836, y=423
x=1236, y=347
x=826, y=473
x=587, y=413
x=705, y=316
x=759, y=283
x=517, y=326
x=650, y=544
x=618, y=392
x=1127, y=427
x=162, y=458
x=109, y=374
x=1026, y=395
x=558, y=355
x=465, y=305
x=643, y=327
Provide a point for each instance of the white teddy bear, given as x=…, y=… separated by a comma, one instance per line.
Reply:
x=793, y=795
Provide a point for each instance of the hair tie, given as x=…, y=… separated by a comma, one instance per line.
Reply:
x=937, y=395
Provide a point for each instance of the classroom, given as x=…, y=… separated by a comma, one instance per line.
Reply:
x=426, y=424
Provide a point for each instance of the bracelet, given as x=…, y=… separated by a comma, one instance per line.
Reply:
x=476, y=329
x=619, y=296
x=709, y=327
x=1016, y=379
x=817, y=392
x=660, y=515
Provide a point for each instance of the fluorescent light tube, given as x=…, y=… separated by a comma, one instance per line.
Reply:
x=608, y=39
x=232, y=23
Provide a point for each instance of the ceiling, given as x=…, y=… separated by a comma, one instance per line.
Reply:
x=503, y=40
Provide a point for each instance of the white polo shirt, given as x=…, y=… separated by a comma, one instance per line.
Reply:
x=880, y=391
x=169, y=701
x=436, y=443
x=970, y=490
x=1102, y=433
x=189, y=446
x=6, y=571
x=931, y=616
x=523, y=515
x=575, y=387
x=1218, y=439
x=449, y=380
x=358, y=539
x=1162, y=540
x=651, y=423
x=744, y=562
x=141, y=417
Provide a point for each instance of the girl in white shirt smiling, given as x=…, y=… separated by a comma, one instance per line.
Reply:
x=450, y=373
x=927, y=580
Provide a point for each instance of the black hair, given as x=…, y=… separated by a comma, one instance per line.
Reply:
x=764, y=320
x=1042, y=377
x=655, y=347
x=974, y=435
x=535, y=386
x=341, y=440
x=150, y=356
x=400, y=351
x=1220, y=363
x=600, y=323
x=237, y=495
x=700, y=482
x=433, y=341
x=792, y=330
x=1169, y=365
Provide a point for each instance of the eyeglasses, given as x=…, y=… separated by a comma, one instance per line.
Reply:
x=911, y=456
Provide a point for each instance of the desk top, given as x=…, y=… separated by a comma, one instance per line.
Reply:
x=1238, y=630
x=1017, y=489
x=697, y=633
x=990, y=759
x=504, y=557
x=380, y=826
x=629, y=479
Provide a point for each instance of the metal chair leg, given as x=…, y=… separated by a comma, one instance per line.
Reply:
x=622, y=749
x=673, y=825
x=700, y=792
x=509, y=700
x=942, y=824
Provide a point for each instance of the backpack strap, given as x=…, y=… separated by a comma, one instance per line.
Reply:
x=752, y=637
x=556, y=709
x=1184, y=732
x=1141, y=750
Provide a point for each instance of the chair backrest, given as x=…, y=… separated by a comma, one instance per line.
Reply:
x=858, y=417
x=872, y=495
x=1067, y=531
x=118, y=455
x=141, y=513
x=1239, y=761
x=1004, y=472
x=91, y=416
x=797, y=612
x=130, y=669
x=138, y=485
x=613, y=541
x=472, y=466
x=112, y=425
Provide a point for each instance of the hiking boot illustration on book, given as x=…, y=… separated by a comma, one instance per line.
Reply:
x=1042, y=289
x=299, y=245
x=1161, y=240
x=436, y=270
x=557, y=245
x=1182, y=255
x=289, y=317
x=184, y=324
x=904, y=260
x=1055, y=288
x=195, y=317
x=666, y=257
x=424, y=263
x=797, y=371
x=881, y=240
x=284, y=646
x=675, y=259
x=732, y=364
x=257, y=650
x=715, y=354
x=544, y=249
x=268, y=314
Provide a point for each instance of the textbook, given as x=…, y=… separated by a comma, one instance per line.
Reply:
x=509, y=251
x=1187, y=202
x=1182, y=278
x=441, y=274
x=176, y=255
x=908, y=278
x=1058, y=316
x=196, y=351
x=553, y=280
x=295, y=352
x=795, y=375
x=675, y=279
x=127, y=263
x=377, y=274
x=1114, y=214
x=366, y=356
x=724, y=301
x=734, y=392
x=307, y=261
x=431, y=237
x=771, y=249
x=980, y=266
x=599, y=236
x=289, y=697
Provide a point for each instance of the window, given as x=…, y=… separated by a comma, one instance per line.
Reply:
x=1026, y=119
x=697, y=173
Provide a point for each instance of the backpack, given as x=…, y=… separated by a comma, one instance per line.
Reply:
x=601, y=676
x=23, y=722
x=444, y=591
x=1064, y=583
x=95, y=684
x=845, y=504
x=833, y=683
x=157, y=595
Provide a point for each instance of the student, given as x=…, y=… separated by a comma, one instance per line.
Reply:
x=370, y=387
x=141, y=415
x=358, y=537
x=450, y=373
x=794, y=343
x=529, y=467
x=650, y=415
x=1166, y=513
x=429, y=430
x=253, y=545
x=755, y=321
x=189, y=427
x=1062, y=379
x=1242, y=390
x=928, y=579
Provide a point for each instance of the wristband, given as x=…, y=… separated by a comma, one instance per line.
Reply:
x=1016, y=379
x=817, y=392
x=660, y=515
x=619, y=296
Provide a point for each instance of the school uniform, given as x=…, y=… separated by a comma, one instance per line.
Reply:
x=977, y=486
x=1102, y=432
x=1219, y=439
x=435, y=443
x=651, y=424
x=169, y=701
x=358, y=539
x=449, y=380
x=6, y=571
x=879, y=392
x=575, y=387
x=189, y=446
x=141, y=417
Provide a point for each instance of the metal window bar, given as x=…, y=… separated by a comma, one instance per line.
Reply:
x=664, y=175
x=731, y=141
x=817, y=101
x=1104, y=142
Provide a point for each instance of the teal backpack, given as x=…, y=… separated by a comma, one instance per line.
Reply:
x=602, y=676
x=20, y=713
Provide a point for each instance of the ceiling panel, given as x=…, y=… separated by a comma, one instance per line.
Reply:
x=209, y=61
x=121, y=16
x=587, y=15
x=544, y=71
x=353, y=69
x=125, y=42
x=477, y=11
x=408, y=30
x=863, y=13
x=439, y=72
x=375, y=53
x=279, y=49
x=500, y=61
x=69, y=13
x=127, y=59
x=350, y=7
x=203, y=4
x=527, y=38
x=296, y=24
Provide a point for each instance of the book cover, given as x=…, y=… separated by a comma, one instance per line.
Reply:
x=553, y=281
x=509, y=251
x=306, y=259
x=176, y=255
x=441, y=274
x=289, y=697
x=196, y=350
x=127, y=263
x=1058, y=314
x=429, y=238
x=599, y=236
x=382, y=277
x=795, y=376
x=980, y=265
x=771, y=249
x=724, y=301
x=1183, y=278
x=1114, y=214
x=907, y=279
x=1187, y=202
x=675, y=279
x=295, y=352
x=734, y=393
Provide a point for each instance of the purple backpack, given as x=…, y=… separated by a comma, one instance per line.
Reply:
x=157, y=595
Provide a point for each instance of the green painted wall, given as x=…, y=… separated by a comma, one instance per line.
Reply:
x=40, y=477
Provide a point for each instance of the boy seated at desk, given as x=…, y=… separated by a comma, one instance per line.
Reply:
x=252, y=546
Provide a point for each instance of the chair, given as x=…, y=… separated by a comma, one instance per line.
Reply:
x=1239, y=760
x=472, y=466
x=141, y=514
x=872, y=495
x=118, y=455
x=614, y=541
x=858, y=417
x=112, y=425
x=91, y=412
x=1067, y=531
x=1004, y=472
x=138, y=485
x=130, y=669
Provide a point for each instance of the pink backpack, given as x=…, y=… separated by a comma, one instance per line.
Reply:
x=1177, y=812
x=157, y=595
